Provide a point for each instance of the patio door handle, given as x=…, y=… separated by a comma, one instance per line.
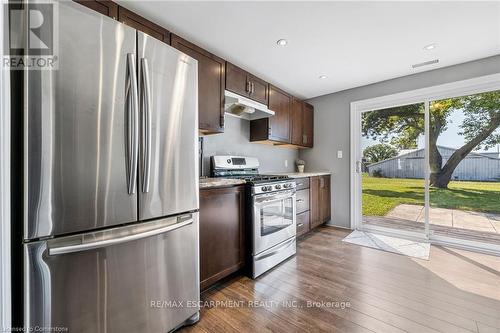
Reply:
x=358, y=166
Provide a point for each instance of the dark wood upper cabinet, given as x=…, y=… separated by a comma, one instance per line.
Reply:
x=296, y=115
x=105, y=7
x=140, y=23
x=308, y=125
x=301, y=123
x=236, y=80
x=245, y=84
x=275, y=128
x=222, y=233
x=279, y=124
x=259, y=89
x=211, y=85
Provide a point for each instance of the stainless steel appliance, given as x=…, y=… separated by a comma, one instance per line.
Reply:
x=111, y=182
x=271, y=222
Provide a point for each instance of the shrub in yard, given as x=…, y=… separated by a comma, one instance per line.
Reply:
x=377, y=173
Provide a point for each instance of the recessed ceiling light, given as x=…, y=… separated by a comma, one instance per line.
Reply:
x=282, y=42
x=323, y=77
x=430, y=47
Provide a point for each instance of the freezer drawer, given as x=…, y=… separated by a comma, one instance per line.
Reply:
x=131, y=279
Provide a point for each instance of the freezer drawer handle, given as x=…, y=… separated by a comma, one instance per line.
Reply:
x=181, y=222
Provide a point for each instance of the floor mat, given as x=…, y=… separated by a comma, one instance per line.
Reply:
x=390, y=244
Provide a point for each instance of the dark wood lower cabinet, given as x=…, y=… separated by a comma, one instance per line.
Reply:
x=320, y=202
x=222, y=233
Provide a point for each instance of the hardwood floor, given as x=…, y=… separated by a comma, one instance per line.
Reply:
x=455, y=291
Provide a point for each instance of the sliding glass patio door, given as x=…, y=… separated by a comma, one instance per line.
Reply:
x=393, y=168
x=429, y=168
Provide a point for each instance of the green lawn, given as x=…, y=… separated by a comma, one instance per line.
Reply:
x=380, y=195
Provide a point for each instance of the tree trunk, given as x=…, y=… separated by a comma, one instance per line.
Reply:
x=435, y=158
x=442, y=178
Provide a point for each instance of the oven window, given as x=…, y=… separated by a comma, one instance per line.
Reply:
x=276, y=216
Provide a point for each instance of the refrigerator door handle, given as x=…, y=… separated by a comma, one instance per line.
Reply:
x=146, y=125
x=168, y=226
x=132, y=141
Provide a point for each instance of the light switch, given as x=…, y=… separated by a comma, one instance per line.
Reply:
x=339, y=154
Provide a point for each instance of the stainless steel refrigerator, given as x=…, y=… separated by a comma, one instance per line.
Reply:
x=110, y=182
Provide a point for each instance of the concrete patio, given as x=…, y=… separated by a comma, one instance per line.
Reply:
x=469, y=220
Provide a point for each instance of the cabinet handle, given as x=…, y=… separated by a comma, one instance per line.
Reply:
x=269, y=131
x=322, y=182
x=300, y=200
x=247, y=87
x=304, y=138
x=300, y=225
x=252, y=88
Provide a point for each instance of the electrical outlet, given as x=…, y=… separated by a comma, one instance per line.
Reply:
x=339, y=154
x=286, y=163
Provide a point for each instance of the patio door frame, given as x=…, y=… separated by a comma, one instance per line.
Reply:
x=423, y=95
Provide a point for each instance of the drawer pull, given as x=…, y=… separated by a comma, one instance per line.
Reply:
x=300, y=225
x=300, y=200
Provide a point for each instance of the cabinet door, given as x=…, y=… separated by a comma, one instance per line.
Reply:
x=140, y=23
x=237, y=80
x=324, y=199
x=314, y=202
x=222, y=233
x=302, y=223
x=296, y=122
x=105, y=7
x=259, y=89
x=307, y=125
x=279, y=124
x=211, y=85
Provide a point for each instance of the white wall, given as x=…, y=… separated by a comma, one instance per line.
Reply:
x=332, y=123
x=236, y=141
x=4, y=186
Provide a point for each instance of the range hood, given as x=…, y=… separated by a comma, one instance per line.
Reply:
x=242, y=107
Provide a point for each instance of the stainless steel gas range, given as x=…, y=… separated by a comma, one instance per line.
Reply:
x=271, y=208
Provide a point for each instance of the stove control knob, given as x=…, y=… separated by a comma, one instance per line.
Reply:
x=269, y=188
x=264, y=188
x=278, y=186
x=286, y=186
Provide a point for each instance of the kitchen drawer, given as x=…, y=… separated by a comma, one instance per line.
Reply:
x=302, y=183
x=302, y=200
x=302, y=223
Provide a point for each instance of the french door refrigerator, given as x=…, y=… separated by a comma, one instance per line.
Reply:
x=111, y=182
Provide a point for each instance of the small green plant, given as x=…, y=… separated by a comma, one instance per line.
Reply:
x=377, y=173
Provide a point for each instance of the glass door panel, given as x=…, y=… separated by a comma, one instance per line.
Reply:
x=464, y=160
x=393, y=168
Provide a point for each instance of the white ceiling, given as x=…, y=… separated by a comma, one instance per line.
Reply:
x=353, y=43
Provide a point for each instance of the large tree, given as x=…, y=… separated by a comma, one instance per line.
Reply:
x=402, y=125
x=379, y=152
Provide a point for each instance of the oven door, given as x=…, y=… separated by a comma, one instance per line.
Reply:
x=273, y=219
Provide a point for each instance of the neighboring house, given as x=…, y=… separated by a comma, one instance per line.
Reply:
x=476, y=166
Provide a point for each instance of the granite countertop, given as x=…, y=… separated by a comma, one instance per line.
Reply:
x=303, y=174
x=219, y=182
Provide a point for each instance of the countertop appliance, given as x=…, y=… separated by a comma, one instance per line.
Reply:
x=271, y=211
x=111, y=182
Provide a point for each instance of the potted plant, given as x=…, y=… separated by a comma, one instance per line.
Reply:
x=300, y=165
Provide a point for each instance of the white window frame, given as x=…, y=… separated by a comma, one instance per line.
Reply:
x=424, y=95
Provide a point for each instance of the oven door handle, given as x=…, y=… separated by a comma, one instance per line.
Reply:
x=274, y=198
